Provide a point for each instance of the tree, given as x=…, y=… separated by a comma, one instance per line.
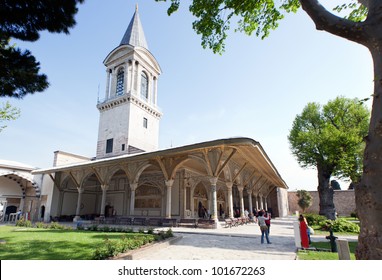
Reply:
x=362, y=26
x=7, y=113
x=304, y=199
x=23, y=20
x=330, y=138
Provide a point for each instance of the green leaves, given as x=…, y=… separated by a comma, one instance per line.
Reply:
x=7, y=113
x=259, y=17
x=358, y=12
x=24, y=20
x=331, y=136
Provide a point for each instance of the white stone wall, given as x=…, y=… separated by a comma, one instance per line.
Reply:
x=140, y=137
x=9, y=188
x=113, y=123
x=63, y=158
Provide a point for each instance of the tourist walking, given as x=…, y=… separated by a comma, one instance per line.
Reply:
x=263, y=227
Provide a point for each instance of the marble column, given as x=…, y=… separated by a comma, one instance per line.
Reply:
x=250, y=201
x=257, y=203
x=78, y=208
x=261, y=202
x=230, y=199
x=133, y=187
x=214, y=202
x=107, y=93
x=169, y=184
x=103, y=200
x=241, y=188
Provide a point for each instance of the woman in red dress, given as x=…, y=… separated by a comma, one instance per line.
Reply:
x=304, y=232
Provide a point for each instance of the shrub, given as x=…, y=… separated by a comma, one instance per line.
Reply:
x=93, y=228
x=23, y=223
x=111, y=248
x=40, y=225
x=341, y=225
x=314, y=219
x=55, y=225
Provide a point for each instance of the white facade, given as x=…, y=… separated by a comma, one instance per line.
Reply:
x=129, y=115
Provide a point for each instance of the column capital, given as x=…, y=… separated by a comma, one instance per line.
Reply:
x=169, y=183
x=80, y=190
x=240, y=188
x=104, y=187
x=214, y=181
x=133, y=186
x=229, y=185
x=249, y=192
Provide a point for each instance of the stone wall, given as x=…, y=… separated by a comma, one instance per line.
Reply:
x=344, y=201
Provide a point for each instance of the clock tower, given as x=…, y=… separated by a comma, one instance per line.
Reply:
x=129, y=115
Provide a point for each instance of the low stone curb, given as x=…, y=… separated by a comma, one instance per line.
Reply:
x=134, y=254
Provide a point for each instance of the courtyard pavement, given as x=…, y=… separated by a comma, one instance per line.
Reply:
x=236, y=243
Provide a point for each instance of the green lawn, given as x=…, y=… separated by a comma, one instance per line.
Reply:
x=51, y=244
x=315, y=255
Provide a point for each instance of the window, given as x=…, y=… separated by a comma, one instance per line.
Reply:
x=109, y=145
x=123, y=147
x=144, y=86
x=145, y=122
x=120, y=81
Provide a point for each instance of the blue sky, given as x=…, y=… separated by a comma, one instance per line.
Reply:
x=255, y=89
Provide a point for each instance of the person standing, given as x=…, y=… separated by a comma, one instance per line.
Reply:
x=268, y=222
x=304, y=232
x=263, y=227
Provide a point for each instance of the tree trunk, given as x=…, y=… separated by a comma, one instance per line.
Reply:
x=325, y=192
x=368, y=192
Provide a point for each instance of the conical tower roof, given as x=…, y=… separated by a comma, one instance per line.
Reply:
x=134, y=34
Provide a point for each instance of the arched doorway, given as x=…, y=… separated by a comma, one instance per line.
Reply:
x=200, y=200
x=222, y=205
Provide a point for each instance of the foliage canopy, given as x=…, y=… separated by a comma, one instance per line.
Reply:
x=331, y=136
x=24, y=20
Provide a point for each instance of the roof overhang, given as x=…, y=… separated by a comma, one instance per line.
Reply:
x=248, y=152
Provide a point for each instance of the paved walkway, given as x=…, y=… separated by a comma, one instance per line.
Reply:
x=236, y=243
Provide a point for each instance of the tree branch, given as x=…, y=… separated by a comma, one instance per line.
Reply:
x=325, y=20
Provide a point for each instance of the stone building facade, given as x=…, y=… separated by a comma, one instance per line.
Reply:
x=344, y=202
x=131, y=177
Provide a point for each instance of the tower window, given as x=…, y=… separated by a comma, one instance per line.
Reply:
x=144, y=86
x=123, y=147
x=145, y=122
x=120, y=82
x=109, y=145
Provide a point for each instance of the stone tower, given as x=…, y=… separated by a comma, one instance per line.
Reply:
x=129, y=115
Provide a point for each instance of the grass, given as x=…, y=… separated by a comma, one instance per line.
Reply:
x=316, y=255
x=51, y=244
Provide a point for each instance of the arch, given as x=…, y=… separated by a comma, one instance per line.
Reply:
x=42, y=212
x=12, y=175
x=67, y=183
